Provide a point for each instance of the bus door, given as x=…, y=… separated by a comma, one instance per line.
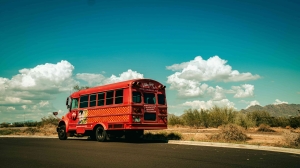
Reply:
x=73, y=114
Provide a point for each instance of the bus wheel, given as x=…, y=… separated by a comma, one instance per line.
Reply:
x=62, y=135
x=100, y=134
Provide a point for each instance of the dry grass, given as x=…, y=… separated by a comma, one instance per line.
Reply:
x=292, y=139
x=264, y=128
x=229, y=133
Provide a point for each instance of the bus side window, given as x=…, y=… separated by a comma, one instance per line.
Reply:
x=119, y=96
x=109, y=97
x=136, y=97
x=74, y=103
x=84, y=101
x=93, y=100
x=101, y=99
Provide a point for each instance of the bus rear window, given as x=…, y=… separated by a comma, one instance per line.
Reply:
x=136, y=97
x=149, y=98
x=161, y=99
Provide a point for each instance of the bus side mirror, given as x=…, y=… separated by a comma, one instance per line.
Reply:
x=68, y=102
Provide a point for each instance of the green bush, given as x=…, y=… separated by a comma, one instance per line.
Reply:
x=243, y=120
x=18, y=124
x=9, y=131
x=175, y=120
x=295, y=122
x=221, y=116
x=260, y=117
x=4, y=125
x=49, y=120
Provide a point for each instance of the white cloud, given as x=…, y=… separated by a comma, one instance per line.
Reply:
x=253, y=103
x=243, y=91
x=189, y=75
x=129, y=74
x=92, y=79
x=11, y=108
x=99, y=79
x=28, y=91
x=24, y=107
x=277, y=101
x=196, y=104
x=186, y=88
x=47, y=77
x=217, y=93
x=213, y=69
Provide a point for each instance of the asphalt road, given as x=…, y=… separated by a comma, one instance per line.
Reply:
x=44, y=152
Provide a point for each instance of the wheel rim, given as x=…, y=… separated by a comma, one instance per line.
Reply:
x=99, y=133
x=61, y=132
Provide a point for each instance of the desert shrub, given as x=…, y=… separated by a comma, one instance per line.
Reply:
x=264, y=128
x=229, y=133
x=175, y=120
x=221, y=116
x=162, y=136
x=9, y=131
x=292, y=139
x=4, y=124
x=295, y=122
x=260, y=117
x=49, y=120
x=18, y=124
x=243, y=120
x=279, y=122
x=31, y=130
x=31, y=124
x=191, y=118
x=196, y=118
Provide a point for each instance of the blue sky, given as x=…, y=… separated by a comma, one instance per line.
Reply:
x=194, y=47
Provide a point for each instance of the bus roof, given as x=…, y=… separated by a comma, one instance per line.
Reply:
x=116, y=85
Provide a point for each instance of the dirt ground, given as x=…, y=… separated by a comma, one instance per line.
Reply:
x=277, y=138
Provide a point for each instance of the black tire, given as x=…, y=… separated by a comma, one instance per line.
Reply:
x=100, y=134
x=62, y=135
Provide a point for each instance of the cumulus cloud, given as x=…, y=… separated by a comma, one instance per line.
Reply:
x=92, y=79
x=188, y=77
x=186, y=88
x=252, y=103
x=10, y=108
x=243, y=91
x=196, y=104
x=213, y=69
x=277, y=101
x=129, y=74
x=99, y=79
x=29, y=90
x=217, y=93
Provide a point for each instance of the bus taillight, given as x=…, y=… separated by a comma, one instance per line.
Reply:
x=137, y=110
x=163, y=111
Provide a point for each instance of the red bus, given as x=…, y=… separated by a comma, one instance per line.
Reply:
x=114, y=110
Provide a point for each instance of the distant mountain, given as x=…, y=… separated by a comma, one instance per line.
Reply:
x=283, y=110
